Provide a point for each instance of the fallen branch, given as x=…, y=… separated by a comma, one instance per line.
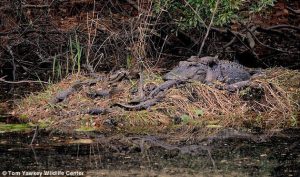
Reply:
x=21, y=81
x=26, y=32
x=36, y=6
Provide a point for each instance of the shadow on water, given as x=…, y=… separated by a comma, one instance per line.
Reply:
x=151, y=155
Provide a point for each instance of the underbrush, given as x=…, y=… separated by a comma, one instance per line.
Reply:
x=270, y=102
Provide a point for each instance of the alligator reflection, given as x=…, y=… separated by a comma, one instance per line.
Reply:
x=152, y=156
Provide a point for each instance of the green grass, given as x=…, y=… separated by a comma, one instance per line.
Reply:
x=14, y=127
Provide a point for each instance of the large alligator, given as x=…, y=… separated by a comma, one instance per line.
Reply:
x=224, y=71
x=210, y=69
x=206, y=70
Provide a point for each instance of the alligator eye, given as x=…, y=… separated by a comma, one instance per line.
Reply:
x=212, y=64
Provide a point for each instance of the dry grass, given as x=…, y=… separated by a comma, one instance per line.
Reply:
x=272, y=102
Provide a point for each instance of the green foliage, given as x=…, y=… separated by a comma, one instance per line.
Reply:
x=199, y=112
x=185, y=118
x=257, y=7
x=191, y=13
x=14, y=127
x=56, y=69
x=75, y=54
x=60, y=68
x=129, y=61
x=294, y=121
x=23, y=117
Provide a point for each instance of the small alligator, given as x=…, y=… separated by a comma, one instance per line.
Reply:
x=92, y=111
x=141, y=106
x=62, y=95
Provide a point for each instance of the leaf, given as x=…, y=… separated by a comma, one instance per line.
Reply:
x=199, y=112
x=185, y=118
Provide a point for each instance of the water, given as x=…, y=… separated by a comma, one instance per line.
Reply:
x=120, y=155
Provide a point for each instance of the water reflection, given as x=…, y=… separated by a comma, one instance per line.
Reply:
x=151, y=156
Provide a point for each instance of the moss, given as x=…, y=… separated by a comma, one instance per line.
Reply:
x=14, y=127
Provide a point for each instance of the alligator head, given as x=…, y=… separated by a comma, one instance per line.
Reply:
x=187, y=71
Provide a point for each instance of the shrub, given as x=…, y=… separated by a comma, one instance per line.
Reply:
x=192, y=13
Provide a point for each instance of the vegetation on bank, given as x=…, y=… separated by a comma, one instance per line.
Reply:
x=271, y=102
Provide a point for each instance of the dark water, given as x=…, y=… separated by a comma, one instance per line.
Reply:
x=149, y=155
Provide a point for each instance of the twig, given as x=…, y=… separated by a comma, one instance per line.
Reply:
x=141, y=93
x=35, y=6
x=25, y=32
x=211, y=158
x=208, y=28
x=35, y=134
x=162, y=47
x=283, y=26
x=22, y=81
x=297, y=12
x=12, y=62
x=230, y=42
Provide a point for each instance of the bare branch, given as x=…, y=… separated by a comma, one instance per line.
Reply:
x=283, y=26
x=22, y=81
x=297, y=12
x=208, y=28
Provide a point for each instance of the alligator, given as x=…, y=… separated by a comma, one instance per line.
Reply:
x=224, y=71
x=210, y=69
x=92, y=111
x=62, y=95
x=146, y=104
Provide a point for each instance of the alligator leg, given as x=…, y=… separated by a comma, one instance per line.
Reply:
x=235, y=86
x=165, y=86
